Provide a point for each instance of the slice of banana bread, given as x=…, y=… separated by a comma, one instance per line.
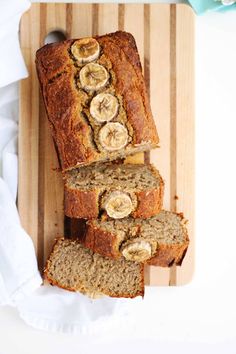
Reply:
x=96, y=99
x=76, y=268
x=117, y=189
x=161, y=240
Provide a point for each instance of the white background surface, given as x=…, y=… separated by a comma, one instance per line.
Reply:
x=200, y=317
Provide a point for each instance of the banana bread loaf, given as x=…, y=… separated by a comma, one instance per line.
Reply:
x=117, y=189
x=161, y=240
x=74, y=267
x=95, y=98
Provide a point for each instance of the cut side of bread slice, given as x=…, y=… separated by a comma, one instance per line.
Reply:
x=161, y=240
x=73, y=267
x=119, y=190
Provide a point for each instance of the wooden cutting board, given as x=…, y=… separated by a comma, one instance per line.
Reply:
x=165, y=38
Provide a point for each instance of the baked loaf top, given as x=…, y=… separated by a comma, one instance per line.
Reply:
x=161, y=240
x=74, y=267
x=119, y=190
x=96, y=99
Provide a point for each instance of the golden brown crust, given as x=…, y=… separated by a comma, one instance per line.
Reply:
x=168, y=255
x=81, y=204
x=52, y=59
x=101, y=241
x=83, y=290
x=130, y=83
x=149, y=202
x=106, y=244
x=71, y=131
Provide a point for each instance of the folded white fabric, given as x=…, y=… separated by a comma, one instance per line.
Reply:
x=43, y=307
x=12, y=67
x=18, y=268
x=58, y=310
x=8, y=140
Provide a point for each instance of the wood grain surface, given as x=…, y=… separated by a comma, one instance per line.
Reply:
x=165, y=38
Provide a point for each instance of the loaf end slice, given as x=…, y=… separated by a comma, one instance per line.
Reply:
x=76, y=268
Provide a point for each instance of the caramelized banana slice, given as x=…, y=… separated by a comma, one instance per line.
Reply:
x=85, y=50
x=113, y=136
x=93, y=77
x=104, y=107
x=138, y=251
x=118, y=205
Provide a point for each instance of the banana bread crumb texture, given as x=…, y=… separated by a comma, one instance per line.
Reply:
x=76, y=268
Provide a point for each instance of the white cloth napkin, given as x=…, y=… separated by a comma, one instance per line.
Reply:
x=12, y=67
x=43, y=307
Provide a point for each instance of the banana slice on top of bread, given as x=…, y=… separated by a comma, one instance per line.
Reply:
x=85, y=50
x=104, y=107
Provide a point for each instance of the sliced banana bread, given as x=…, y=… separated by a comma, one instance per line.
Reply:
x=161, y=240
x=73, y=267
x=96, y=99
x=117, y=189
